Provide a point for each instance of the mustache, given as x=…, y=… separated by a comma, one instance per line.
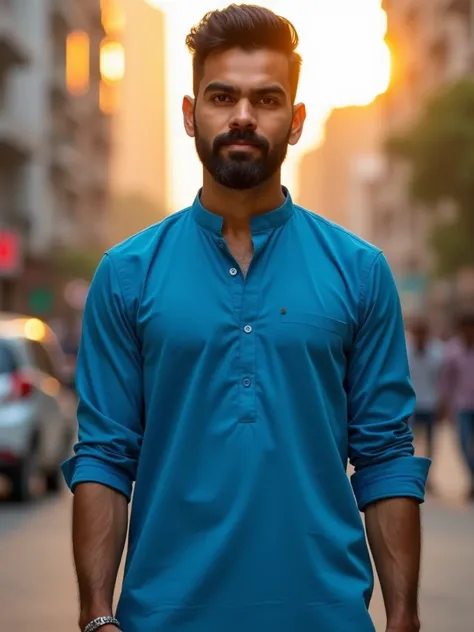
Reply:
x=242, y=136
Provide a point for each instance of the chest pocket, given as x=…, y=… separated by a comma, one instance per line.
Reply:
x=325, y=323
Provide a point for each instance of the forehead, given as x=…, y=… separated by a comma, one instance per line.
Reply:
x=247, y=70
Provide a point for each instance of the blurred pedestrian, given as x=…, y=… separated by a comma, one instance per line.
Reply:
x=425, y=356
x=457, y=388
x=233, y=358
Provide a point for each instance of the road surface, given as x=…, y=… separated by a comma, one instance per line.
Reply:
x=37, y=587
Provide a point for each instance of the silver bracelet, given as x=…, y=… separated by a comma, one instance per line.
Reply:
x=98, y=623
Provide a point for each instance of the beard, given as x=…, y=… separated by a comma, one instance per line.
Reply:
x=240, y=170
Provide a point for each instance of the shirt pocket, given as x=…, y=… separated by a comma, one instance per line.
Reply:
x=325, y=323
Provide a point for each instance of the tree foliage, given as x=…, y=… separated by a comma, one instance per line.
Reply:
x=72, y=263
x=440, y=149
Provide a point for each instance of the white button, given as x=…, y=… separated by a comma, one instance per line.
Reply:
x=233, y=271
x=248, y=329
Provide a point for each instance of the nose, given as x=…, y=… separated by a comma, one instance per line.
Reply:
x=242, y=117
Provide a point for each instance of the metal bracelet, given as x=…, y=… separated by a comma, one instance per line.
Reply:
x=98, y=623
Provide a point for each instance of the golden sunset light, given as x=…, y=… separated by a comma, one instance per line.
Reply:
x=240, y=361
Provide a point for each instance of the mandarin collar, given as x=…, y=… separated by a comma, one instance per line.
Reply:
x=258, y=223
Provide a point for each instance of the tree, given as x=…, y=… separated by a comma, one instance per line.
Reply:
x=440, y=150
x=72, y=263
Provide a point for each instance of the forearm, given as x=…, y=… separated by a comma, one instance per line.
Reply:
x=100, y=518
x=394, y=534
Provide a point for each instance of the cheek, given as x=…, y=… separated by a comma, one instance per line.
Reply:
x=279, y=132
x=211, y=122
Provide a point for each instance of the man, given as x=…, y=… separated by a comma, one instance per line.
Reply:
x=425, y=357
x=233, y=358
x=457, y=389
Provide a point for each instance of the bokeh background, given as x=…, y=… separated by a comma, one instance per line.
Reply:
x=92, y=150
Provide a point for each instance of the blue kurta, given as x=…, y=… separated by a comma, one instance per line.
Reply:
x=234, y=404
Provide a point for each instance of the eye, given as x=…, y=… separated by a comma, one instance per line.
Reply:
x=269, y=101
x=222, y=98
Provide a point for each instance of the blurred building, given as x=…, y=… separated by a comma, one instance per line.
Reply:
x=139, y=165
x=54, y=140
x=430, y=41
x=328, y=174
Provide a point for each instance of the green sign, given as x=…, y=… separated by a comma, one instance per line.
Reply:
x=40, y=300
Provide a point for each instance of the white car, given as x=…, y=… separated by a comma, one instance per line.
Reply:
x=37, y=408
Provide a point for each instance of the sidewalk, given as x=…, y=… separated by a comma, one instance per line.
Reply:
x=448, y=473
x=447, y=577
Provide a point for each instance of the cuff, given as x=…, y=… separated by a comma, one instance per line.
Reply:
x=89, y=469
x=403, y=477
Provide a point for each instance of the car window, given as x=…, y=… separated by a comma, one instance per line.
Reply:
x=42, y=359
x=8, y=363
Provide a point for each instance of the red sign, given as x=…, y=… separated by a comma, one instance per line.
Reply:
x=10, y=253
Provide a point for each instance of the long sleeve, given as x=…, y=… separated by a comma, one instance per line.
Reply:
x=109, y=385
x=381, y=398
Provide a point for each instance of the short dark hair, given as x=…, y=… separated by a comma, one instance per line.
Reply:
x=244, y=26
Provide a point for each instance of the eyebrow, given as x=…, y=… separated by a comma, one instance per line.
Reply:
x=218, y=86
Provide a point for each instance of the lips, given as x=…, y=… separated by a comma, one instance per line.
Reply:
x=242, y=142
x=242, y=145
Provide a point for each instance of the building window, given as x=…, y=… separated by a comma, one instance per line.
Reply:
x=108, y=98
x=412, y=19
x=439, y=52
x=78, y=62
x=112, y=61
x=113, y=16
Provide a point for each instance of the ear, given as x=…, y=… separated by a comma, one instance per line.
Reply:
x=299, y=117
x=188, y=115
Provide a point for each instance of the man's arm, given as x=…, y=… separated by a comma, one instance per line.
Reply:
x=110, y=417
x=393, y=530
x=100, y=517
x=389, y=481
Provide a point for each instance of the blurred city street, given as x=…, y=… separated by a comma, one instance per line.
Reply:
x=93, y=151
x=37, y=586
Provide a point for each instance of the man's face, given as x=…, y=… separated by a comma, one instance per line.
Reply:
x=243, y=118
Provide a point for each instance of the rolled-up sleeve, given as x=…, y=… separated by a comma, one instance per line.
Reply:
x=109, y=386
x=381, y=398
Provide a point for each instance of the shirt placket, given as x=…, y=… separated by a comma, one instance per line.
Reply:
x=246, y=295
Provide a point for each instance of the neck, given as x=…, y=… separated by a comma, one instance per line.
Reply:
x=238, y=207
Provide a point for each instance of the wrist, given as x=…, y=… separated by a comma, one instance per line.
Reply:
x=404, y=624
x=93, y=612
x=107, y=624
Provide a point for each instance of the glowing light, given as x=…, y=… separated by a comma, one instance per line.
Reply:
x=35, y=329
x=78, y=62
x=112, y=61
x=113, y=17
x=108, y=98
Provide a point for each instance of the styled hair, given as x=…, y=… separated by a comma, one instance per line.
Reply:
x=244, y=26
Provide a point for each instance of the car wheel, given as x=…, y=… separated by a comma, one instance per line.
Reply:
x=54, y=481
x=54, y=477
x=21, y=478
